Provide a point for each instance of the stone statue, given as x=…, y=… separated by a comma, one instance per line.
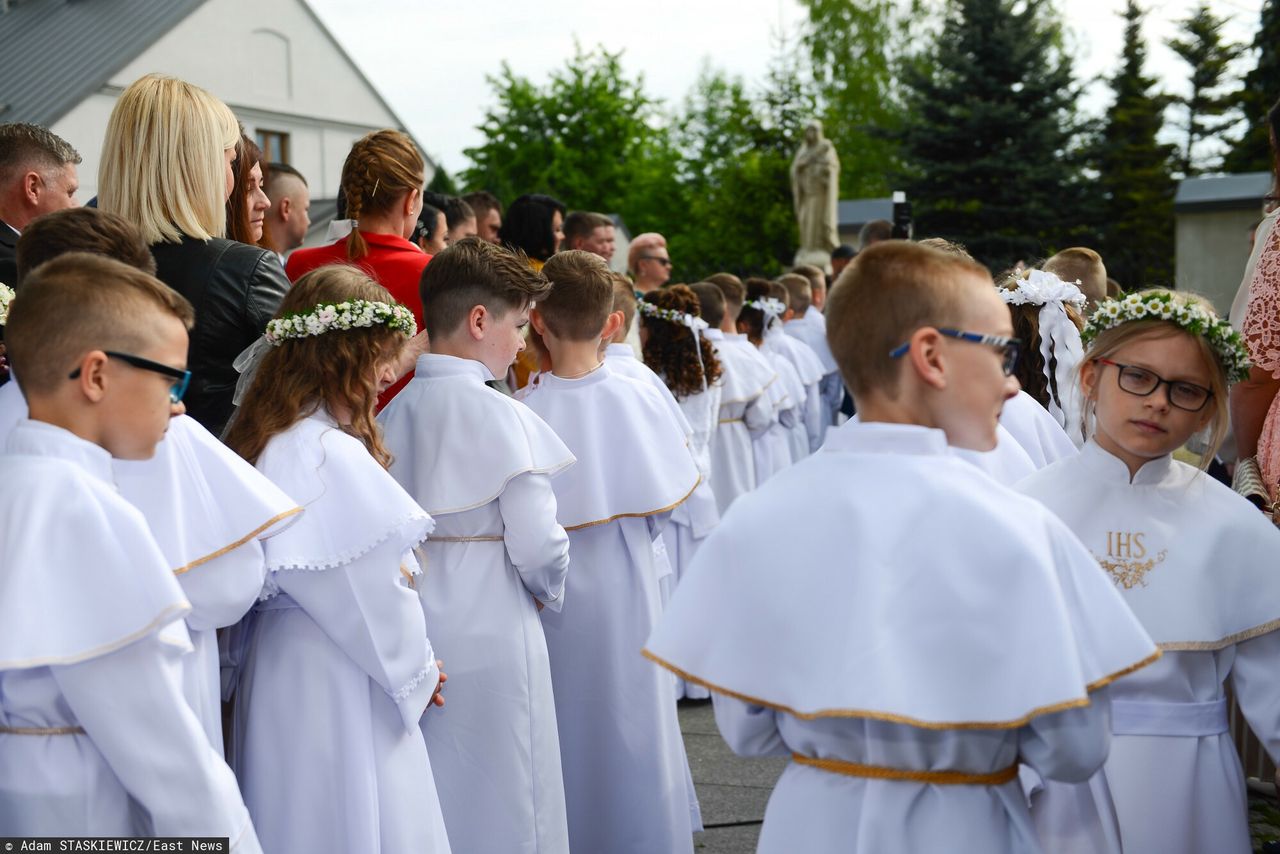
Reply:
x=815, y=189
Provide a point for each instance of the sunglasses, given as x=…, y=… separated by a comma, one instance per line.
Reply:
x=176, y=391
x=1009, y=347
x=666, y=262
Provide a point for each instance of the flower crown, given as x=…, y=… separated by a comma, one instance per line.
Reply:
x=1188, y=314
x=6, y=297
x=679, y=318
x=769, y=306
x=351, y=314
x=1041, y=287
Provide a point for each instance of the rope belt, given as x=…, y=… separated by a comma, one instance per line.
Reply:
x=732, y=420
x=876, y=772
x=41, y=730
x=482, y=538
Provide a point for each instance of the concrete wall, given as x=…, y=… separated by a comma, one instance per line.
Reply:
x=1212, y=250
x=274, y=64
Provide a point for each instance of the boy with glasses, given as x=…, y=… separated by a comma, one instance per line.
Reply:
x=933, y=629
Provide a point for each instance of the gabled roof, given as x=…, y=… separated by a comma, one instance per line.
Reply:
x=1222, y=192
x=55, y=53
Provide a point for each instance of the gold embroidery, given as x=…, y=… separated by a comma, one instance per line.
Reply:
x=732, y=420
x=903, y=719
x=483, y=538
x=878, y=772
x=666, y=509
x=42, y=730
x=1131, y=573
x=238, y=543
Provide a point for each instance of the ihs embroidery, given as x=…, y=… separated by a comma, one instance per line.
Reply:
x=1124, y=560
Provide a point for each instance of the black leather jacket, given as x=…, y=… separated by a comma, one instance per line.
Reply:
x=236, y=289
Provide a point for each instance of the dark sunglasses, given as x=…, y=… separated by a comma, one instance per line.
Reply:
x=176, y=391
x=666, y=262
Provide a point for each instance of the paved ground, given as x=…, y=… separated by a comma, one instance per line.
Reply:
x=731, y=790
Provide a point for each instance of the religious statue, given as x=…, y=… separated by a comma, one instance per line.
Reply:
x=815, y=189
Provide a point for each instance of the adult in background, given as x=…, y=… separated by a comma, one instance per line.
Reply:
x=166, y=168
x=535, y=226
x=873, y=232
x=37, y=176
x=488, y=211
x=382, y=180
x=289, y=216
x=459, y=218
x=432, y=231
x=648, y=261
x=248, y=204
x=840, y=258
x=590, y=232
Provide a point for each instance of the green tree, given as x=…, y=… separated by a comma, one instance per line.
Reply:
x=849, y=44
x=1252, y=153
x=442, y=182
x=1208, y=109
x=1135, y=174
x=988, y=141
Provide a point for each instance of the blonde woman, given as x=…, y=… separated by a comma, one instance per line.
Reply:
x=167, y=168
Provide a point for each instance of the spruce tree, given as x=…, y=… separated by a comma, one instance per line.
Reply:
x=1135, y=171
x=989, y=133
x=1252, y=153
x=1208, y=109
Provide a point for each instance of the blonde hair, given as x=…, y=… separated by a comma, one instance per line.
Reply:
x=380, y=166
x=163, y=159
x=885, y=294
x=1083, y=265
x=1111, y=340
x=641, y=244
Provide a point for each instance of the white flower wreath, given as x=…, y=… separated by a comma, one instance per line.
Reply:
x=679, y=318
x=352, y=314
x=1191, y=315
x=770, y=307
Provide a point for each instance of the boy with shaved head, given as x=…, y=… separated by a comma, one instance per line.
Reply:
x=96, y=737
x=933, y=629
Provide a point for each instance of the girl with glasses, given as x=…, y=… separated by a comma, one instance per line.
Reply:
x=1196, y=563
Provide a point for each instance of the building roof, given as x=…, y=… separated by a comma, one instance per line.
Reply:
x=55, y=53
x=1222, y=192
x=854, y=213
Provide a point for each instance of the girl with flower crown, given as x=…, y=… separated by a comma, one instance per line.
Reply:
x=338, y=669
x=1194, y=561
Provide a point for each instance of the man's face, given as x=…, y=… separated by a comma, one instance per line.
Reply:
x=57, y=190
x=599, y=242
x=487, y=225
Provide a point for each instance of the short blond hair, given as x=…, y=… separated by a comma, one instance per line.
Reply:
x=801, y=291
x=624, y=300
x=1079, y=263
x=163, y=159
x=641, y=244
x=581, y=297
x=79, y=302
x=890, y=290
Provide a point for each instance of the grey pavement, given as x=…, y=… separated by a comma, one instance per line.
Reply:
x=732, y=790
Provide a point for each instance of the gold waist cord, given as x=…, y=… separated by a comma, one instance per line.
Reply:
x=876, y=772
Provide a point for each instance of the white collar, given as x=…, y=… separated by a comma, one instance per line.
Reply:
x=439, y=365
x=713, y=334
x=1110, y=468
x=879, y=437
x=550, y=380
x=619, y=351
x=41, y=439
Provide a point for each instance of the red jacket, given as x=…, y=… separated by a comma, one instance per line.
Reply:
x=392, y=262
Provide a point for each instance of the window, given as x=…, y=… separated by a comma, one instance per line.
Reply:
x=274, y=145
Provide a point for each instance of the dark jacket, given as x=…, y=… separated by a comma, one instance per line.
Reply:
x=8, y=255
x=236, y=289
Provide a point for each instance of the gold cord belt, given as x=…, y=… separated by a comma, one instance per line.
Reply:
x=483, y=538
x=731, y=420
x=42, y=730
x=876, y=772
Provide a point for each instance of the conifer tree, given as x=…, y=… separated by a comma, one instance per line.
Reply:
x=1208, y=109
x=990, y=132
x=1252, y=153
x=1135, y=174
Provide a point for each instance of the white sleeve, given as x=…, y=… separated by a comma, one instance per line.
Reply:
x=537, y=545
x=366, y=609
x=748, y=730
x=1255, y=680
x=759, y=415
x=813, y=423
x=1069, y=746
x=131, y=706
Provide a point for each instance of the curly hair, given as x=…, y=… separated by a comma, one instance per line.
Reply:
x=669, y=348
x=335, y=369
x=380, y=166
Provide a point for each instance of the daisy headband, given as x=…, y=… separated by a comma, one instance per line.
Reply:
x=351, y=314
x=6, y=297
x=1180, y=311
x=679, y=318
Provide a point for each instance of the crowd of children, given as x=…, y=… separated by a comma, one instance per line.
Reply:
x=974, y=617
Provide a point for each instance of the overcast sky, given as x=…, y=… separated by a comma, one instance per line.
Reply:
x=429, y=59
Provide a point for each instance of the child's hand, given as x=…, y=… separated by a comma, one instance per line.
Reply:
x=437, y=698
x=538, y=604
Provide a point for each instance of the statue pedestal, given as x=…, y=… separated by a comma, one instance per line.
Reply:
x=819, y=258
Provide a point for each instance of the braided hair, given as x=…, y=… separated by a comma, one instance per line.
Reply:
x=379, y=168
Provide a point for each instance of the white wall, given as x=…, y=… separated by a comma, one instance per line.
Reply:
x=1212, y=251
x=273, y=64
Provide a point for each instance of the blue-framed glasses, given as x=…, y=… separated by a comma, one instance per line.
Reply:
x=176, y=391
x=1009, y=347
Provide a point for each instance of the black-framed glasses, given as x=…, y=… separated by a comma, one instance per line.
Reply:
x=1142, y=383
x=666, y=262
x=1009, y=348
x=176, y=391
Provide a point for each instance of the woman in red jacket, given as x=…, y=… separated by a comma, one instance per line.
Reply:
x=382, y=181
